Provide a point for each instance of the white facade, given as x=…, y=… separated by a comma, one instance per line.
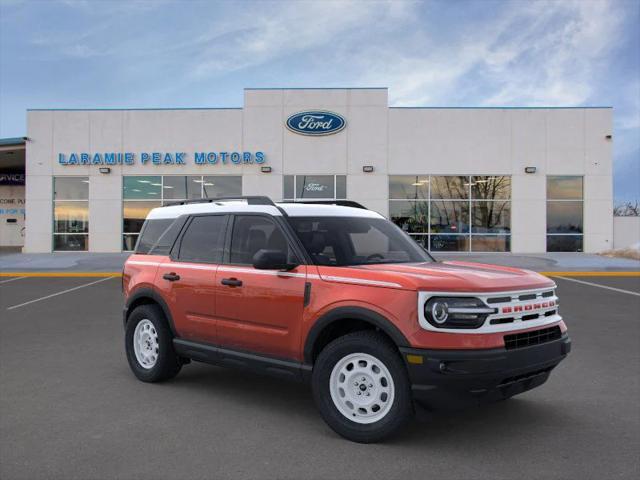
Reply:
x=394, y=141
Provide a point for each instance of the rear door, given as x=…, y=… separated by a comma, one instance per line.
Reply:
x=259, y=310
x=187, y=279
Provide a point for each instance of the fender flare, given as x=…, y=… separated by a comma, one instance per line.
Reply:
x=351, y=313
x=151, y=294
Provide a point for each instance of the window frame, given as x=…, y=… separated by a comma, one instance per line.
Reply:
x=549, y=200
x=295, y=184
x=55, y=200
x=161, y=199
x=469, y=200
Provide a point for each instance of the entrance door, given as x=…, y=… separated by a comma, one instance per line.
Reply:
x=259, y=310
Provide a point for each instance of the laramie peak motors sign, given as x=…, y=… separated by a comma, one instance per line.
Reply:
x=316, y=123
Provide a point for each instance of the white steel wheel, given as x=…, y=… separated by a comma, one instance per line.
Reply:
x=362, y=388
x=145, y=344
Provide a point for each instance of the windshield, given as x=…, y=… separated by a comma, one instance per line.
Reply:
x=342, y=241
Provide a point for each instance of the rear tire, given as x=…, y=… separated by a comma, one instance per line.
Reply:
x=149, y=345
x=361, y=387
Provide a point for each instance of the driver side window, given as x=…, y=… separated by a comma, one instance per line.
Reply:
x=252, y=233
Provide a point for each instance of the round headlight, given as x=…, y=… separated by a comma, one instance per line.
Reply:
x=439, y=311
x=456, y=312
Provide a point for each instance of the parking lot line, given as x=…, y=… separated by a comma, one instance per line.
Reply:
x=12, y=280
x=58, y=293
x=591, y=274
x=61, y=274
x=628, y=292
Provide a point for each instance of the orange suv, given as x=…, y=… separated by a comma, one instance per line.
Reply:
x=337, y=296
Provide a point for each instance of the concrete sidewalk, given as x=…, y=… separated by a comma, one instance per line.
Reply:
x=112, y=262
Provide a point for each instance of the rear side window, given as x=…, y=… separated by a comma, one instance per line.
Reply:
x=203, y=241
x=151, y=233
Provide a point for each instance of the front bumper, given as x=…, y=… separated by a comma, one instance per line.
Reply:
x=447, y=379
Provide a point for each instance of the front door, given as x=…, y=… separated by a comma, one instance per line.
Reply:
x=259, y=310
x=187, y=280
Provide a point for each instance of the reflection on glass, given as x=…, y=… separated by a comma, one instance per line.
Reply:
x=141, y=187
x=409, y=187
x=564, y=217
x=564, y=243
x=450, y=187
x=412, y=217
x=129, y=242
x=288, y=187
x=221, y=186
x=491, y=217
x=174, y=187
x=65, y=243
x=564, y=188
x=490, y=187
x=315, y=186
x=449, y=243
x=134, y=214
x=341, y=187
x=71, y=217
x=422, y=240
x=450, y=217
x=490, y=243
x=71, y=188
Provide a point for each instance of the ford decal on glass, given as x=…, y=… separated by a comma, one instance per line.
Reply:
x=316, y=122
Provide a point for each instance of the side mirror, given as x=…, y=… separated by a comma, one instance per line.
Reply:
x=271, y=260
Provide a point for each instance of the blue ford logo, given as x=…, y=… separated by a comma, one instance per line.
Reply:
x=316, y=122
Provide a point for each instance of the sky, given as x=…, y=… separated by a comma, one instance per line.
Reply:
x=156, y=53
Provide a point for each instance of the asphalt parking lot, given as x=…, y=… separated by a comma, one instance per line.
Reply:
x=70, y=408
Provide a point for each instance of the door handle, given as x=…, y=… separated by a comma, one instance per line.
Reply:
x=172, y=277
x=231, y=282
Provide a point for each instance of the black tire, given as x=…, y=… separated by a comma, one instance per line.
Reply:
x=168, y=364
x=378, y=346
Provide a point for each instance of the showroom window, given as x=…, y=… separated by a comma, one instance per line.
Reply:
x=70, y=213
x=141, y=193
x=315, y=187
x=453, y=213
x=564, y=213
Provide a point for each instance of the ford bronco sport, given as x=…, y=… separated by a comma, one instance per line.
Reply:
x=339, y=297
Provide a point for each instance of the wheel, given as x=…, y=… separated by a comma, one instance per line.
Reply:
x=149, y=345
x=361, y=387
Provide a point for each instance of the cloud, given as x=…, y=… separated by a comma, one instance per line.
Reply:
x=272, y=31
x=536, y=53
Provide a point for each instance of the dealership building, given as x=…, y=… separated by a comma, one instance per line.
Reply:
x=524, y=180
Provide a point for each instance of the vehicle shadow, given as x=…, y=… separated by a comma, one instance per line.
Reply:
x=495, y=423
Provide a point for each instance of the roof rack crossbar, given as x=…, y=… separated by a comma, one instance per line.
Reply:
x=251, y=200
x=340, y=203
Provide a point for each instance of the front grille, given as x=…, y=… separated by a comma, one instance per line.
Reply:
x=535, y=337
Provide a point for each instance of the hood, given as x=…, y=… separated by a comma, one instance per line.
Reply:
x=450, y=276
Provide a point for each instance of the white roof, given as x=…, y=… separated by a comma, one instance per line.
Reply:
x=292, y=209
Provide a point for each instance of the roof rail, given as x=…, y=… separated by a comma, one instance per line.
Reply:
x=340, y=203
x=251, y=200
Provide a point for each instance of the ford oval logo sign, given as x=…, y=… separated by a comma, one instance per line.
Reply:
x=316, y=122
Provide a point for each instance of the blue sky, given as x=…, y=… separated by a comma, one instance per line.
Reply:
x=75, y=54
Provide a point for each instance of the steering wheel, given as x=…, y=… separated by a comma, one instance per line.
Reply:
x=374, y=256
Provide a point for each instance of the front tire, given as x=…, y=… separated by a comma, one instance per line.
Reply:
x=149, y=345
x=361, y=387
